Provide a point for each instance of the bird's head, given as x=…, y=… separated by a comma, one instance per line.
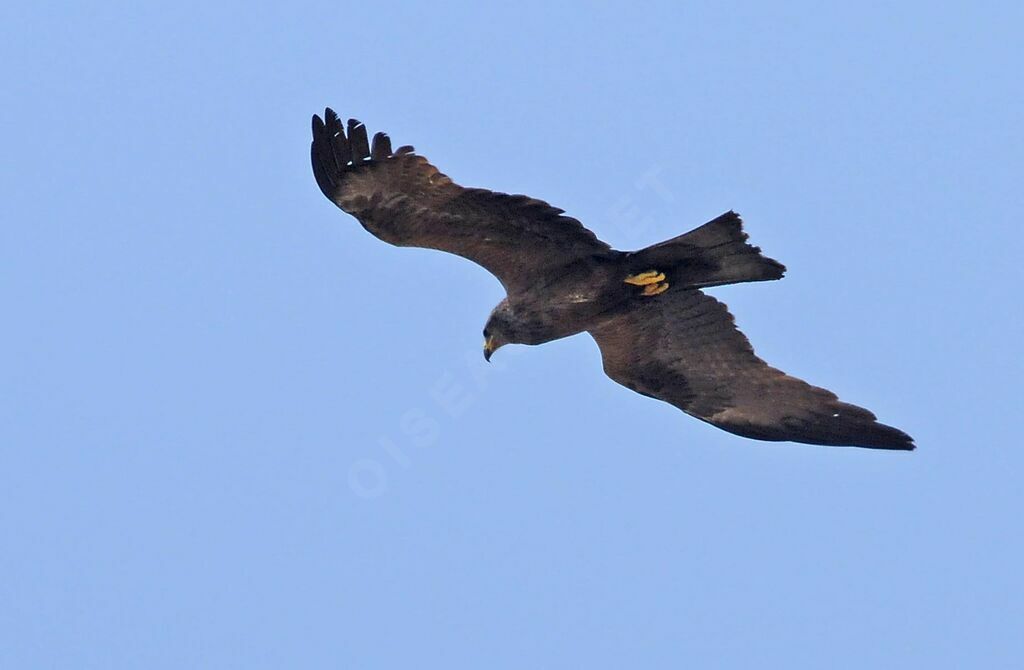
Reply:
x=499, y=330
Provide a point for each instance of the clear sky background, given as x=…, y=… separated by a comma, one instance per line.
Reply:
x=239, y=432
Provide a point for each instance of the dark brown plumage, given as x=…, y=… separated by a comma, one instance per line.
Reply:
x=658, y=333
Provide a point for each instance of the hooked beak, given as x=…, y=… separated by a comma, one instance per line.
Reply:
x=489, y=348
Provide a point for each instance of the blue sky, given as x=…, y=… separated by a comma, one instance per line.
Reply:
x=238, y=431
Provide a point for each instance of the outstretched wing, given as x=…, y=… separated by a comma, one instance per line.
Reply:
x=402, y=199
x=685, y=349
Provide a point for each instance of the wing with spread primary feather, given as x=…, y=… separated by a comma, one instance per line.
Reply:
x=404, y=200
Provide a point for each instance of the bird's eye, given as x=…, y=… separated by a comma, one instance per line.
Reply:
x=486, y=333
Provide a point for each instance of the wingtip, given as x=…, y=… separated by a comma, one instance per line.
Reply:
x=340, y=146
x=887, y=437
x=908, y=442
x=779, y=268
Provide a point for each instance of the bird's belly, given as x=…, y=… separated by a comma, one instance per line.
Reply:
x=570, y=314
x=569, y=305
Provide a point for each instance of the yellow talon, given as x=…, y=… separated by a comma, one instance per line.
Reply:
x=645, y=278
x=655, y=289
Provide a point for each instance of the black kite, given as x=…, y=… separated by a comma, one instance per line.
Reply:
x=659, y=334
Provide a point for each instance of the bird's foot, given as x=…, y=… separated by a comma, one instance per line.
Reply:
x=645, y=278
x=652, y=281
x=655, y=289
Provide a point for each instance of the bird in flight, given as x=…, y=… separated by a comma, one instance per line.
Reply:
x=658, y=333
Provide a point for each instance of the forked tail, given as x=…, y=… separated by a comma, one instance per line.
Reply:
x=714, y=254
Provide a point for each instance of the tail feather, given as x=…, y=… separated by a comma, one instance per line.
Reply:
x=714, y=254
